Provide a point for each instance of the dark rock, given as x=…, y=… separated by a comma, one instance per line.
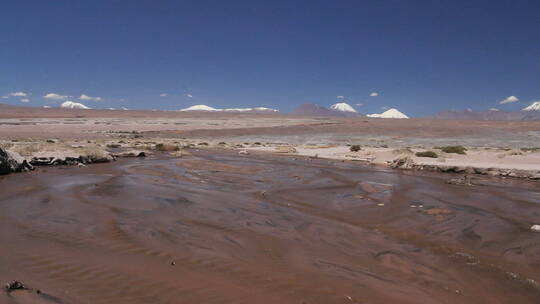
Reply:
x=13, y=162
x=15, y=285
x=71, y=160
x=131, y=153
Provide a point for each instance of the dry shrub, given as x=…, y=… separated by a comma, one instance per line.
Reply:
x=166, y=147
x=427, y=154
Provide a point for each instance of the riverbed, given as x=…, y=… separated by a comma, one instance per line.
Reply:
x=218, y=227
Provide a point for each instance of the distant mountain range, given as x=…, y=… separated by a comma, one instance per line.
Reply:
x=309, y=109
x=342, y=109
x=488, y=115
x=338, y=110
x=233, y=110
x=532, y=112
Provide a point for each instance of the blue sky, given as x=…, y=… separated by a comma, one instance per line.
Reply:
x=419, y=56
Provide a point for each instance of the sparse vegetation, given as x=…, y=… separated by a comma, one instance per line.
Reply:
x=453, y=149
x=515, y=152
x=531, y=149
x=165, y=147
x=355, y=148
x=203, y=144
x=427, y=154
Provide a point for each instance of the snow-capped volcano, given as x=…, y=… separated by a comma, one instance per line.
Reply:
x=73, y=105
x=391, y=113
x=535, y=106
x=200, y=108
x=342, y=107
x=241, y=110
x=257, y=109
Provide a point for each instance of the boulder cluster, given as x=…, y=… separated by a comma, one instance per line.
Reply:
x=69, y=160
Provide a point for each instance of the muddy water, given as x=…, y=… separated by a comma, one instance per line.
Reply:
x=223, y=228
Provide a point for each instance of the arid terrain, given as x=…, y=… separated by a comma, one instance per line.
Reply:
x=240, y=208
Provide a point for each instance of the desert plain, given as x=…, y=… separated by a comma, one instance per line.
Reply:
x=268, y=208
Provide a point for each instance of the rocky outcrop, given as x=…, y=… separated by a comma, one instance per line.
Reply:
x=70, y=160
x=131, y=153
x=406, y=163
x=13, y=162
x=402, y=162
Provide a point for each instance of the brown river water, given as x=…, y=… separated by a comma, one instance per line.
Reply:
x=217, y=227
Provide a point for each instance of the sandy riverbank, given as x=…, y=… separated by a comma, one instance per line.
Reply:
x=493, y=161
x=494, y=145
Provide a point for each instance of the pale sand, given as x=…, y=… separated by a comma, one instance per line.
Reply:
x=474, y=158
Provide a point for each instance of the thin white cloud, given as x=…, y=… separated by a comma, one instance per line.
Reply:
x=374, y=94
x=359, y=104
x=385, y=108
x=5, y=97
x=509, y=99
x=163, y=95
x=25, y=100
x=18, y=94
x=86, y=97
x=493, y=109
x=188, y=95
x=340, y=97
x=54, y=96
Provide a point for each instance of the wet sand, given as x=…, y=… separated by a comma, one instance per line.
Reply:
x=217, y=227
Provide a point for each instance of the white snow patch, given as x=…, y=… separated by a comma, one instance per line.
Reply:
x=342, y=107
x=200, y=108
x=73, y=105
x=391, y=113
x=535, y=106
x=208, y=108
